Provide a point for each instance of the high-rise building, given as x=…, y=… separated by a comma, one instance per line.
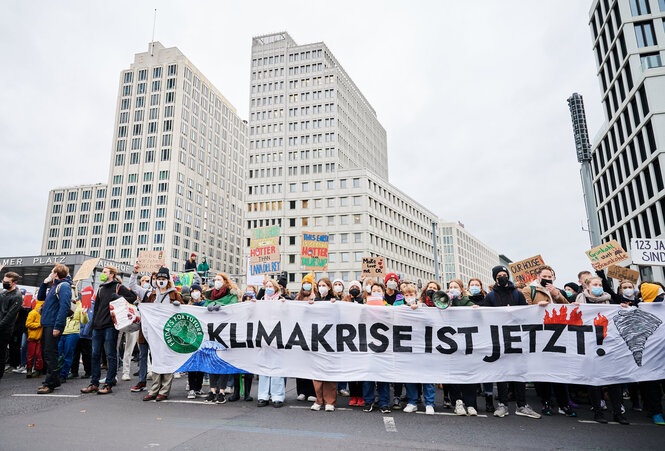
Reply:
x=176, y=178
x=628, y=157
x=318, y=162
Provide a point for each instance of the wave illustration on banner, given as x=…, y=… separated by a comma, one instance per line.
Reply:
x=207, y=360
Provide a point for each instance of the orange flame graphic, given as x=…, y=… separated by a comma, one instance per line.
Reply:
x=561, y=317
x=601, y=320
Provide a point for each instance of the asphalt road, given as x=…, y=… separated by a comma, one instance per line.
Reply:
x=69, y=420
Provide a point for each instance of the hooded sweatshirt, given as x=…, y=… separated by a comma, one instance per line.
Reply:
x=33, y=323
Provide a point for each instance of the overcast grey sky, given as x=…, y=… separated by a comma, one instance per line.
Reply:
x=472, y=96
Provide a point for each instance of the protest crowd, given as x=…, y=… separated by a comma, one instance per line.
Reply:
x=57, y=340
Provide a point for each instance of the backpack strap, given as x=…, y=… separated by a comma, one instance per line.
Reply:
x=516, y=295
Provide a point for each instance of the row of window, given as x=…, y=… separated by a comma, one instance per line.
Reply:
x=647, y=224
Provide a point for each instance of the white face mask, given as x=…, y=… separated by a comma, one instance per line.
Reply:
x=154, y=285
x=410, y=300
x=196, y=294
x=391, y=284
x=162, y=283
x=338, y=289
x=145, y=285
x=323, y=291
x=368, y=289
x=628, y=292
x=218, y=284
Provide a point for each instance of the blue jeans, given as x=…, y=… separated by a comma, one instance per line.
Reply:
x=66, y=350
x=428, y=394
x=342, y=386
x=108, y=338
x=271, y=388
x=24, y=349
x=488, y=388
x=384, y=393
x=143, y=361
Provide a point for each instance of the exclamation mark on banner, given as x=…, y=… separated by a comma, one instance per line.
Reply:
x=600, y=336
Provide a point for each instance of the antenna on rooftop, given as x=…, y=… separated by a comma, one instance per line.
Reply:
x=152, y=43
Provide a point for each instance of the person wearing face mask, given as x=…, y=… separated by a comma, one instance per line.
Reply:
x=367, y=283
x=338, y=289
x=394, y=297
x=104, y=334
x=224, y=292
x=458, y=297
x=143, y=291
x=325, y=392
x=11, y=300
x=355, y=293
x=428, y=292
x=571, y=290
x=195, y=378
x=383, y=388
x=165, y=293
x=355, y=388
x=651, y=390
x=271, y=388
x=477, y=295
x=594, y=292
x=504, y=294
x=249, y=293
x=307, y=292
x=542, y=290
x=323, y=291
x=70, y=335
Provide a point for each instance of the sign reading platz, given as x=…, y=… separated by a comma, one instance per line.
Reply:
x=264, y=256
x=606, y=254
x=621, y=273
x=525, y=271
x=647, y=252
x=314, y=252
x=374, y=267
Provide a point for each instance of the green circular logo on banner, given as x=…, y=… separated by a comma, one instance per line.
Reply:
x=183, y=333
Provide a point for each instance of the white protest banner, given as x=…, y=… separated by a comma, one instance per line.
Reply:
x=589, y=344
x=648, y=252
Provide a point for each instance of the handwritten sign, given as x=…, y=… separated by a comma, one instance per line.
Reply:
x=264, y=256
x=314, y=251
x=374, y=267
x=648, y=252
x=254, y=279
x=151, y=261
x=621, y=273
x=606, y=254
x=86, y=269
x=525, y=271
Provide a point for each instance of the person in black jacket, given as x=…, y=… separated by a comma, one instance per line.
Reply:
x=504, y=294
x=10, y=305
x=103, y=331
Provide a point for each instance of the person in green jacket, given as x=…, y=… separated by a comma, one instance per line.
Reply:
x=203, y=269
x=224, y=292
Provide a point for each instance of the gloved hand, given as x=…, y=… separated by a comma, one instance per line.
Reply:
x=211, y=308
x=216, y=307
x=176, y=303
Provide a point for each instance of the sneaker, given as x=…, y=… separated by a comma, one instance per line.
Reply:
x=446, y=403
x=261, y=403
x=220, y=398
x=385, y=409
x=301, y=397
x=658, y=419
x=598, y=417
x=278, y=404
x=459, y=407
x=311, y=399
x=316, y=406
x=191, y=394
x=228, y=390
x=210, y=397
x=138, y=387
x=396, y=403
x=567, y=411
x=501, y=410
x=370, y=407
x=360, y=402
x=621, y=419
x=472, y=412
x=24, y=371
x=603, y=405
x=44, y=390
x=19, y=370
x=177, y=375
x=526, y=411
x=429, y=410
x=547, y=409
x=345, y=393
x=353, y=401
x=330, y=408
x=410, y=408
x=125, y=377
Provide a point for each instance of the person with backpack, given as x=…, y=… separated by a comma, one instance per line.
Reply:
x=104, y=334
x=504, y=294
x=56, y=299
x=70, y=336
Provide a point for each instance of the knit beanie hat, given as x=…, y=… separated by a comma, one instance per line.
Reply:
x=195, y=286
x=355, y=283
x=338, y=280
x=497, y=269
x=573, y=285
x=308, y=278
x=163, y=272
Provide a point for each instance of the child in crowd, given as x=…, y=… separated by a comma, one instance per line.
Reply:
x=34, y=364
x=70, y=336
x=308, y=292
x=272, y=388
x=383, y=388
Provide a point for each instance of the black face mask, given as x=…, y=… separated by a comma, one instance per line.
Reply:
x=502, y=281
x=429, y=293
x=6, y=285
x=354, y=292
x=544, y=282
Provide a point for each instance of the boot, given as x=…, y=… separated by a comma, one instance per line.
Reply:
x=236, y=389
x=247, y=382
x=489, y=403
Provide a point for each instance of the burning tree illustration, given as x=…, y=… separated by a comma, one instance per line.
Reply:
x=635, y=327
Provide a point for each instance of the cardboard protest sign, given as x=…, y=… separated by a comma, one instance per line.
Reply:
x=86, y=297
x=648, y=252
x=86, y=269
x=151, y=261
x=621, y=273
x=525, y=271
x=374, y=267
x=254, y=279
x=314, y=251
x=606, y=254
x=264, y=256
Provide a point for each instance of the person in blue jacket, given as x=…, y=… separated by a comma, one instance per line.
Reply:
x=55, y=309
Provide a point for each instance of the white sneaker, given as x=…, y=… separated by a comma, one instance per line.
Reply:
x=177, y=375
x=228, y=391
x=429, y=410
x=471, y=411
x=344, y=393
x=316, y=406
x=301, y=397
x=329, y=408
x=527, y=411
x=311, y=398
x=19, y=370
x=191, y=395
x=410, y=408
x=125, y=377
x=459, y=407
x=501, y=410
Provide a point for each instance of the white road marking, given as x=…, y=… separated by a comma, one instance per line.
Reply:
x=187, y=401
x=25, y=395
x=614, y=422
x=389, y=423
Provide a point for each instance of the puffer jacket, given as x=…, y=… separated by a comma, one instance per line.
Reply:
x=33, y=323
